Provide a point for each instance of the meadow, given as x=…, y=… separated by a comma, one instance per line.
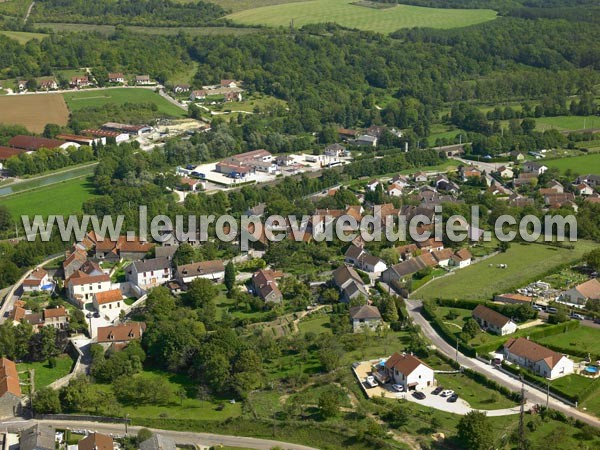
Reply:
x=109, y=29
x=23, y=37
x=584, y=339
x=241, y=5
x=567, y=123
x=480, y=281
x=119, y=96
x=43, y=373
x=344, y=13
x=61, y=199
x=33, y=111
x=578, y=164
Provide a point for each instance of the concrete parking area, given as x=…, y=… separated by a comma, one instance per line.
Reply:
x=365, y=368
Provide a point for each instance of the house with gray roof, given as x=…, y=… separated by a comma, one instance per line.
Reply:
x=158, y=442
x=38, y=437
x=149, y=273
x=365, y=316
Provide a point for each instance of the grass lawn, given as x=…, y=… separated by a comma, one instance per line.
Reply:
x=578, y=164
x=67, y=198
x=120, y=96
x=45, y=375
x=22, y=36
x=316, y=323
x=480, y=281
x=353, y=16
x=477, y=395
x=582, y=338
x=178, y=409
x=567, y=122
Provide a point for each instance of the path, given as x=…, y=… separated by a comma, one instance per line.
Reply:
x=167, y=97
x=414, y=308
x=28, y=12
x=180, y=437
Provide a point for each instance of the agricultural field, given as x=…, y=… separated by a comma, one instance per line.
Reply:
x=241, y=5
x=67, y=198
x=567, y=123
x=480, y=281
x=109, y=29
x=577, y=164
x=344, y=13
x=22, y=36
x=584, y=339
x=33, y=111
x=120, y=96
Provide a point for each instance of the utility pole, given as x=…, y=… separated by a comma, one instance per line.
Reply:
x=522, y=417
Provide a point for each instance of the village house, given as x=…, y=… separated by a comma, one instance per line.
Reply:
x=10, y=390
x=335, y=150
x=517, y=156
x=109, y=303
x=591, y=179
x=118, y=336
x=372, y=185
x=534, y=167
x=402, y=272
x=197, y=95
x=230, y=84
x=580, y=294
x=116, y=77
x=395, y=190
x=540, y=360
x=265, y=286
x=443, y=256
x=350, y=284
x=78, y=82
x=143, y=80
x=366, y=140
x=365, y=316
x=109, y=250
x=493, y=321
x=36, y=280
x=467, y=172
x=461, y=258
x=505, y=172
x=420, y=177
x=47, y=84
x=96, y=441
x=211, y=270
x=38, y=437
x=81, y=287
x=409, y=371
x=363, y=260
x=56, y=317
x=149, y=273
x=584, y=189
x=525, y=179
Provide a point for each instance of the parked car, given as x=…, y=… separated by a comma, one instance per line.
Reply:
x=597, y=320
x=437, y=390
x=552, y=310
x=371, y=382
x=577, y=316
x=419, y=395
x=537, y=308
x=398, y=387
x=447, y=393
x=453, y=398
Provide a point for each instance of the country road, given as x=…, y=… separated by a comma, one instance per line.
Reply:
x=414, y=308
x=180, y=437
x=28, y=12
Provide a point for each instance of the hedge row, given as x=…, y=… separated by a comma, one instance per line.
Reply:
x=527, y=375
x=444, y=331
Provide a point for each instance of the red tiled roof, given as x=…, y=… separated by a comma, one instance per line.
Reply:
x=9, y=152
x=403, y=363
x=114, y=295
x=34, y=143
x=9, y=381
x=531, y=351
x=59, y=311
x=121, y=333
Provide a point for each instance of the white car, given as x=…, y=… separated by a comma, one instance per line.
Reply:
x=398, y=387
x=447, y=393
x=370, y=381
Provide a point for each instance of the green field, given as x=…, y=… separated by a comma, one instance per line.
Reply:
x=120, y=96
x=584, y=339
x=240, y=5
x=110, y=29
x=22, y=36
x=44, y=375
x=62, y=199
x=567, y=122
x=477, y=395
x=344, y=13
x=480, y=281
x=578, y=164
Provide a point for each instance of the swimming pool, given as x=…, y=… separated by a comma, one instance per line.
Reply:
x=591, y=369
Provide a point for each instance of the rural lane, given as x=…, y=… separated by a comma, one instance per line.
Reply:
x=414, y=308
x=180, y=437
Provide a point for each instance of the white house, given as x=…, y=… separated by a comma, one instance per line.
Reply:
x=580, y=294
x=365, y=316
x=213, y=270
x=493, y=321
x=537, y=358
x=82, y=287
x=36, y=280
x=150, y=273
x=109, y=303
x=372, y=185
x=462, y=258
x=534, y=167
x=409, y=371
x=394, y=190
x=584, y=189
x=505, y=172
x=370, y=263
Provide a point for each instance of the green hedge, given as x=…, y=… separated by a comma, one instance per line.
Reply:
x=443, y=330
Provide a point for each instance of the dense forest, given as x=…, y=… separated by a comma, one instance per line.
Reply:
x=141, y=12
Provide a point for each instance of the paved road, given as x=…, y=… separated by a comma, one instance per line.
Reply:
x=180, y=437
x=533, y=395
